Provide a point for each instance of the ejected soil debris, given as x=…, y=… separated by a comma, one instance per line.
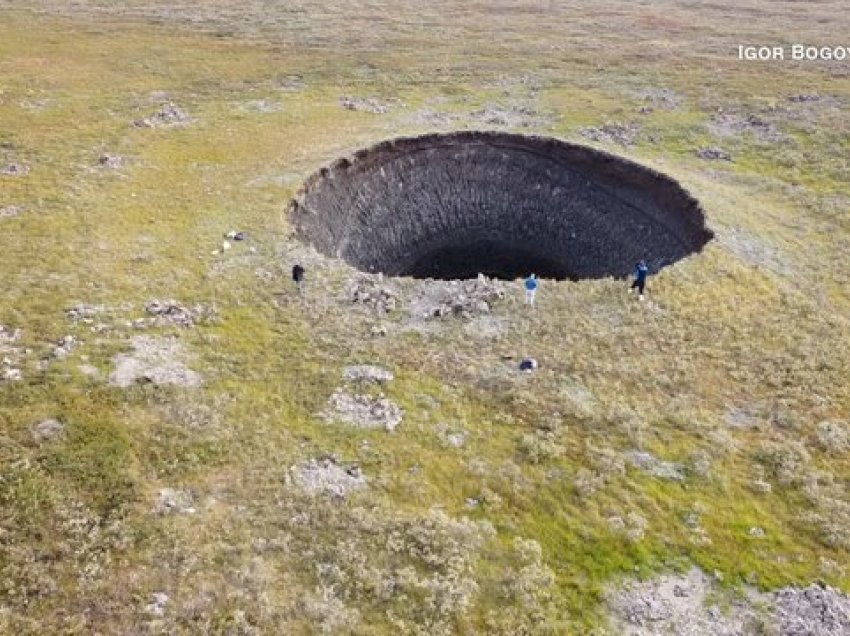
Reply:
x=113, y=162
x=462, y=298
x=64, y=347
x=10, y=354
x=168, y=116
x=729, y=124
x=511, y=116
x=172, y=501
x=14, y=170
x=47, y=430
x=622, y=134
x=713, y=153
x=362, y=411
x=648, y=463
x=171, y=312
x=678, y=604
x=367, y=373
x=11, y=211
x=817, y=610
x=326, y=476
x=374, y=293
x=367, y=104
x=156, y=360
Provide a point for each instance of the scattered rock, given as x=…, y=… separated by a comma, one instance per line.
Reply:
x=622, y=134
x=10, y=354
x=678, y=604
x=728, y=124
x=170, y=115
x=83, y=312
x=171, y=312
x=713, y=153
x=379, y=330
x=11, y=211
x=233, y=235
x=513, y=116
x=366, y=104
x=171, y=501
x=651, y=465
x=47, y=430
x=113, y=162
x=430, y=117
x=528, y=365
x=326, y=476
x=291, y=83
x=363, y=411
x=451, y=437
x=462, y=298
x=817, y=610
x=664, y=98
x=14, y=170
x=804, y=97
x=157, y=607
x=367, y=373
x=263, y=106
x=372, y=292
x=156, y=360
x=64, y=347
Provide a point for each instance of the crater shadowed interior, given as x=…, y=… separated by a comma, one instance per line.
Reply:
x=455, y=205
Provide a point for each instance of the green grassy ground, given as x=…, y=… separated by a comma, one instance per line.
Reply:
x=756, y=324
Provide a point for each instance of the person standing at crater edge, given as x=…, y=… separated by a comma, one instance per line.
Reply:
x=641, y=271
x=531, y=283
x=298, y=278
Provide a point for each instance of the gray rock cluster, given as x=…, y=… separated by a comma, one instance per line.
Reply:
x=173, y=501
x=367, y=373
x=713, y=153
x=651, y=465
x=169, y=115
x=817, y=610
x=363, y=410
x=47, y=430
x=170, y=312
x=326, y=476
x=372, y=292
x=10, y=354
x=365, y=104
x=462, y=298
x=621, y=134
x=14, y=170
x=11, y=211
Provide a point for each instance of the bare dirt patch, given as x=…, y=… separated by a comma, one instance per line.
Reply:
x=156, y=360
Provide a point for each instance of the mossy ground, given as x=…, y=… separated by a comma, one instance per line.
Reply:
x=756, y=323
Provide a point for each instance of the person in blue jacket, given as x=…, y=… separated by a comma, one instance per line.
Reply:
x=530, y=285
x=641, y=271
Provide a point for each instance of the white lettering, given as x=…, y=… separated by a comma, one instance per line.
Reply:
x=797, y=52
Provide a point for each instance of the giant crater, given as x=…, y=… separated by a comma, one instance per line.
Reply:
x=455, y=205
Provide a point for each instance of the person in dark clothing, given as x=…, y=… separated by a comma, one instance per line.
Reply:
x=298, y=277
x=641, y=271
